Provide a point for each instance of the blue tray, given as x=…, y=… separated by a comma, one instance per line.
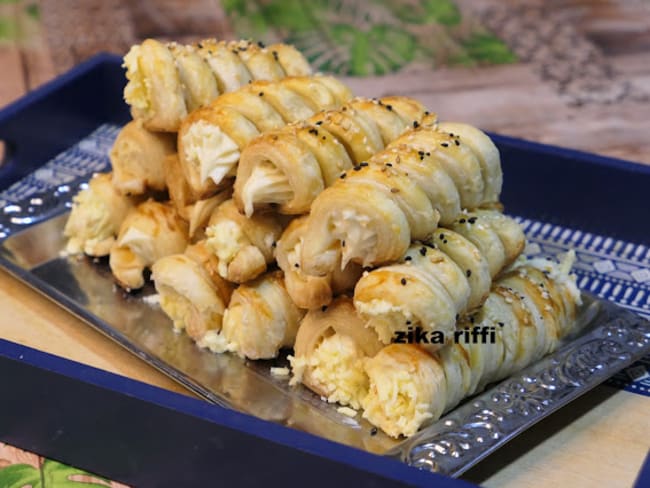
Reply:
x=558, y=186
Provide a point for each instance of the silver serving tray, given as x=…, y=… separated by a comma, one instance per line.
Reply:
x=611, y=338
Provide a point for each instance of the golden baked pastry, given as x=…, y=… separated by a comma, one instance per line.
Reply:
x=290, y=167
x=167, y=81
x=376, y=225
x=436, y=282
x=331, y=347
x=150, y=231
x=191, y=291
x=96, y=215
x=244, y=246
x=529, y=309
x=137, y=158
x=211, y=139
x=260, y=320
x=310, y=292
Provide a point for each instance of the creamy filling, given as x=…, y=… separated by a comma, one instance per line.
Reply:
x=384, y=317
x=140, y=243
x=357, y=240
x=210, y=150
x=266, y=184
x=136, y=92
x=89, y=225
x=225, y=239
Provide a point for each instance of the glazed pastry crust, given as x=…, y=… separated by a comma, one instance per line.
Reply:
x=309, y=292
x=530, y=308
x=211, y=139
x=279, y=167
x=150, y=231
x=154, y=90
x=435, y=283
x=191, y=293
x=449, y=172
x=137, y=158
x=244, y=246
x=261, y=318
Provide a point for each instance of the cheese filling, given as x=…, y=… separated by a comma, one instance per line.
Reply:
x=136, y=92
x=394, y=400
x=335, y=368
x=384, y=317
x=266, y=184
x=210, y=150
x=89, y=224
x=357, y=240
x=225, y=239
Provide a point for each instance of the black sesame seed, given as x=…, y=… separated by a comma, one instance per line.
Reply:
x=462, y=221
x=373, y=431
x=261, y=94
x=457, y=316
x=442, y=237
x=356, y=168
x=426, y=112
x=471, y=220
x=342, y=243
x=261, y=44
x=389, y=107
x=323, y=308
x=343, y=175
x=403, y=281
x=408, y=258
x=319, y=122
x=423, y=251
x=275, y=55
x=444, y=144
x=416, y=124
x=296, y=265
x=445, y=241
x=408, y=322
x=390, y=165
x=274, y=245
x=363, y=164
x=501, y=324
x=457, y=142
x=468, y=273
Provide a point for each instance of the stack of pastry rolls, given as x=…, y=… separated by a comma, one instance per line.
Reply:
x=277, y=211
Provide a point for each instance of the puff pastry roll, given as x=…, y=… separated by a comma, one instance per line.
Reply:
x=436, y=282
x=331, y=348
x=180, y=193
x=95, y=218
x=243, y=246
x=149, y=232
x=167, y=81
x=409, y=388
x=372, y=223
x=310, y=292
x=260, y=320
x=137, y=158
x=289, y=167
x=210, y=140
x=191, y=291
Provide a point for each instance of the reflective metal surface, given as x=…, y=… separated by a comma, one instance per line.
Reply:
x=612, y=339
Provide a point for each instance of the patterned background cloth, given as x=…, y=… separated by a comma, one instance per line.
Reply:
x=574, y=73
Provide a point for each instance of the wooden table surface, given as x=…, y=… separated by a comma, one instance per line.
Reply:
x=574, y=73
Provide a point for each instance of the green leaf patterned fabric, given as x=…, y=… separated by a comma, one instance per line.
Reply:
x=376, y=37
